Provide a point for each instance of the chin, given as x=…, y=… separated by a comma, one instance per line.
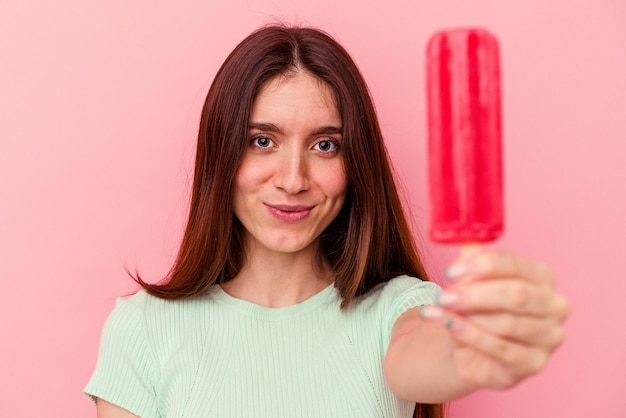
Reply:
x=288, y=246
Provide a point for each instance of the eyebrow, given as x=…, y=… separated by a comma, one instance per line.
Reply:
x=270, y=127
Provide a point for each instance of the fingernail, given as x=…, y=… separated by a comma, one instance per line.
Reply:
x=448, y=298
x=431, y=312
x=456, y=270
x=454, y=326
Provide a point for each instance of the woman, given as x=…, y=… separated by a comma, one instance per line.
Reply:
x=296, y=290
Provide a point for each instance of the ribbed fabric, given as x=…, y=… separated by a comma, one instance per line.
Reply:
x=217, y=356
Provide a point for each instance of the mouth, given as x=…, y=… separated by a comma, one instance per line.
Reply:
x=289, y=213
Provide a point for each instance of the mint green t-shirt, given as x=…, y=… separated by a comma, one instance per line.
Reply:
x=218, y=356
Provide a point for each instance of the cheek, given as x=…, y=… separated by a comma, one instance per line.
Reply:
x=244, y=187
x=249, y=176
x=335, y=182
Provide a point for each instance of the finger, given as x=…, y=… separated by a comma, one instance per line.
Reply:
x=495, y=264
x=521, y=329
x=504, y=295
x=436, y=315
x=517, y=360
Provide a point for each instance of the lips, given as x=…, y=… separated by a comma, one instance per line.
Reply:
x=289, y=213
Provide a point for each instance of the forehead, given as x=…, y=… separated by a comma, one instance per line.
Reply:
x=295, y=89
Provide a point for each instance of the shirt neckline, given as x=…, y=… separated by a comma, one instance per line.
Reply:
x=265, y=313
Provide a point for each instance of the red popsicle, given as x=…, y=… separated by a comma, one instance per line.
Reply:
x=465, y=152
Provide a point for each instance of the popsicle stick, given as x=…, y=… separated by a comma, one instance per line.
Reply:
x=469, y=249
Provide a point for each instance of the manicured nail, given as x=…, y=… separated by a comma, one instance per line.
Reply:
x=454, y=326
x=448, y=298
x=456, y=270
x=431, y=312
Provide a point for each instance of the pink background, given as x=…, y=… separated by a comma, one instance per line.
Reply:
x=99, y=103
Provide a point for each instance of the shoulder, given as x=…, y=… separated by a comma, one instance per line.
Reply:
x=401, y=291
x=127, y=315
x=126, y=355
x=144, y=304
x=151, y=317
x=387, y=301
x=405, y=292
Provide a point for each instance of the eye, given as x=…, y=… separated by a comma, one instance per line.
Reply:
x=327, y=146
x=261, y=141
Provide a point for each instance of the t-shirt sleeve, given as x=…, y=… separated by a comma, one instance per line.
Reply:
x=126, y=371
x=403, y=293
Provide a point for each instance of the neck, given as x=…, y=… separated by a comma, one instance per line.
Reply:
x=279, y=279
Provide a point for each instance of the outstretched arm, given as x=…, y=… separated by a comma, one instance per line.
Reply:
x=497, y=324
x=108, y=410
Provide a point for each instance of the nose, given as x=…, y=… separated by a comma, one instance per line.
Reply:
x=292, y=173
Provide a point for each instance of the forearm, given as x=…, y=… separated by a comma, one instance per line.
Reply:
x=419, y=365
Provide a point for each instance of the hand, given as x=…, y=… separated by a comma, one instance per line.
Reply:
x=504, y=316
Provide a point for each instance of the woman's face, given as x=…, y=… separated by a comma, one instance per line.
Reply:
x=291, y=182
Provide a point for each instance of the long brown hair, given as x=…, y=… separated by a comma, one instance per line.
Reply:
x=368, y=243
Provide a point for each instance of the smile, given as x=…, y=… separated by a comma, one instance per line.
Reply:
x=288, y=213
